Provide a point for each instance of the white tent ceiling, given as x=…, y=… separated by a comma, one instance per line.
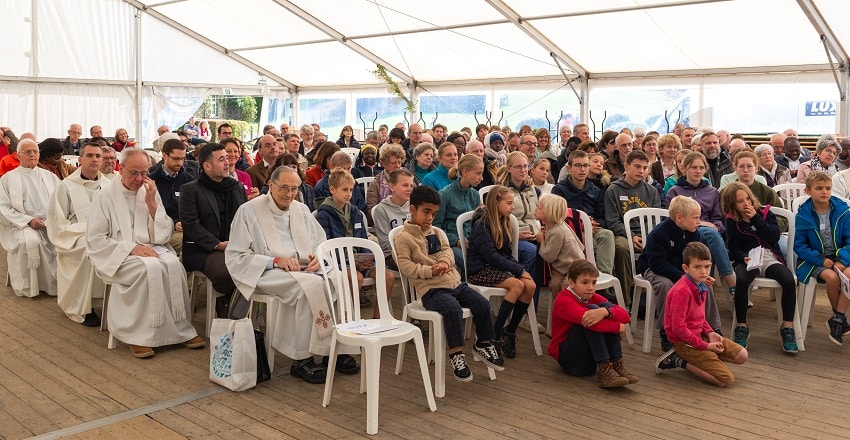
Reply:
x=122, y=63
x=316, y=43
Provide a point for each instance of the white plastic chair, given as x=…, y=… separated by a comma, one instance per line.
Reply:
x=364, y=183
x=334, y=254
x=353, y=152
x=767, y=283
x=648, y=219
x=483, y=191
x=795, y=204
x=489, y=292
x=788, y=192
x=603, y=282
x=212, y=294
x=413, y=309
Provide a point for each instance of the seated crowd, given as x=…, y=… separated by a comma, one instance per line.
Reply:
x=251, y=217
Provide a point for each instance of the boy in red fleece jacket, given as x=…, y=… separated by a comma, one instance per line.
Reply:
x=696, y=346
x=586, y=330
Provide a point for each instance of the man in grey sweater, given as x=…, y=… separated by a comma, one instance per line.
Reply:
x=628, y=193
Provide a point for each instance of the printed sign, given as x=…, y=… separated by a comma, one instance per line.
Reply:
x=821, y=108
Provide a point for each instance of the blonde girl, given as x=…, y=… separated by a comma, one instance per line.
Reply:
x=559, y=245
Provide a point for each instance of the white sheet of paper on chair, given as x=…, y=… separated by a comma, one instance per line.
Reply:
x=755, y=256
x=363, y=328
x=845, y=283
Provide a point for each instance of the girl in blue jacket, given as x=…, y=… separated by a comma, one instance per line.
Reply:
x=491, y=263
x=340, y=218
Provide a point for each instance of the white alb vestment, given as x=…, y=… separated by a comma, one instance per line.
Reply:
x=149, y=298
x=302, y=312
x=24, y=195
x=66, y=226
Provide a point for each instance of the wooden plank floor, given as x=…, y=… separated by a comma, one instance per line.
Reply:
x=57, y=378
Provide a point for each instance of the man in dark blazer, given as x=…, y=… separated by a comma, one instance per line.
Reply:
x=260, y=171
x=207, y=207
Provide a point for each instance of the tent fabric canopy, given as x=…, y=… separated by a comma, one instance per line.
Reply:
x=119, y=63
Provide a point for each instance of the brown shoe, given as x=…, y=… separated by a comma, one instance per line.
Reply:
x=196, y=342
x=606, y=377
x=141, y=352
x=618, y=366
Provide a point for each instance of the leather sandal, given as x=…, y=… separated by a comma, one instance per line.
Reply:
x=308, y=370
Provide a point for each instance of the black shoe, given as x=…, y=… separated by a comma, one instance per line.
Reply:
x=489, y=356
x=91, y=319
x=667, y=361
x=666, y=345
x=308, y=370
x=460, y=368
x=836, y=331
x=345, y=364
x=509, y=344
x=845, y=327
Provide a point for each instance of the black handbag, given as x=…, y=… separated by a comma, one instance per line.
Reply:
x=263, y=371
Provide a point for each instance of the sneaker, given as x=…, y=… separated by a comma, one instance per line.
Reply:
x=666, y=345
x=845, y=327
x=741, y=335
x=509, y=344
x=836, y=331
x=789, y=339
x=622, y=371
x=667, y=361
x=461, y=369
x=606, y=377
x=489, y=356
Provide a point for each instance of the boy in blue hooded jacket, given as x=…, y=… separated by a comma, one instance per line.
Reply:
x=821, y=240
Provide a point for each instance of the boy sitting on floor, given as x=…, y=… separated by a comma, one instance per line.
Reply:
x=696, y=346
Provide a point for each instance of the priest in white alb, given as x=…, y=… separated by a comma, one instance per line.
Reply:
x=127, y=242
x=24, y=196
x=273, y=239
x=67, y=216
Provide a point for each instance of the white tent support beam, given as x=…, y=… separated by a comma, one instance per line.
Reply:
x=138, y=47
x=637, y=7
x=47, y=80
x=713, y=72
x=333, y=33
x=832, y=46
x=34, y=60
x=584, y=106
x=245, y=62
x=537, y=36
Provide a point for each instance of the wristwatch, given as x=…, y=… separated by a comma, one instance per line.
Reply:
x=608, y=308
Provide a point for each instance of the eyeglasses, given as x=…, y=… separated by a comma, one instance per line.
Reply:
x=28, y=152
x=529, y=143
x=284, y=188
x=520, y=167
x=580, y=165
x=415, y=132
x=108, y=158
x=176, y=159
x=137, y=174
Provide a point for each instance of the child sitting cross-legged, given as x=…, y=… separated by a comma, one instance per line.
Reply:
x=425, y=257
x=586, y=330
x=696, y=346
x=821, y=243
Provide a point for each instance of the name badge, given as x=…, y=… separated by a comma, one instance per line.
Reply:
x=176, y=193
x=823, y=227
x=358, y=225
x=624, y=198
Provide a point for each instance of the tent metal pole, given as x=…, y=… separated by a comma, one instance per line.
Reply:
x=34, y=61
x=142, y=136
x=295, y=107
x=843, y=116
x=584, y=104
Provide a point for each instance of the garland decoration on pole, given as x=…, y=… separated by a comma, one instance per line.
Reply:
x=382, y=75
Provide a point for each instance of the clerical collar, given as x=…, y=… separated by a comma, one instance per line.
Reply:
x=83, y=176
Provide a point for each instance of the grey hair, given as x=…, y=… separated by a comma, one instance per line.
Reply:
x=283, y=169
x=306, y=127
x=827, y=140
x=763, y=147
x=27, y=142
x=127, y=153
x=422, y=147
x=340, y=159
x=108, y=149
